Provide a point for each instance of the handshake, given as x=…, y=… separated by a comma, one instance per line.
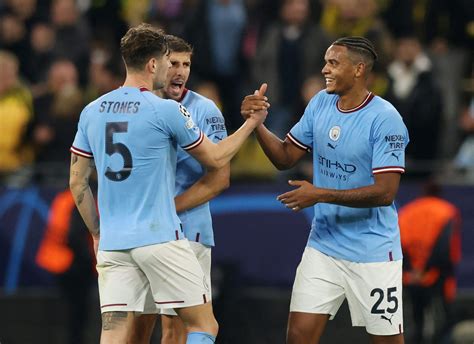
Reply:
x=254, y=108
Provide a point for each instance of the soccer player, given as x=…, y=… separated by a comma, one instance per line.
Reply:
x=195, y=186
x=357, y=140
x=131, y=137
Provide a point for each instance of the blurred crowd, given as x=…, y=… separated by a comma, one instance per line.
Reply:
x=58, y=55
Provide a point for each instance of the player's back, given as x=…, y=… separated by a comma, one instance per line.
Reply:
x=135, y=158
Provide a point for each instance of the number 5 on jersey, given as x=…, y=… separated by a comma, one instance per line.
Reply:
x=111, y=148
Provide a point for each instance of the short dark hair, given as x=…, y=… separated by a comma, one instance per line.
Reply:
x=141, y=43
x=178, y=45
x=361, y=46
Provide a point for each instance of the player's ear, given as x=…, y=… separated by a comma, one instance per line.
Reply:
x=360, y=69
x=151, y=65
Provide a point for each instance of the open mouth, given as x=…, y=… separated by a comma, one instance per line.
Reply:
x=176, y=85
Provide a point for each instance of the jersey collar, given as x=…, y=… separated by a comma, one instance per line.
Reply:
x=366, y=101
x=185, y=92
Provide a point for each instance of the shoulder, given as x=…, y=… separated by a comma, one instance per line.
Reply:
x=322, y=98
x=160, y=105
x=202, y=106
x=384, y=110
x=200, y=100
x=155, y=101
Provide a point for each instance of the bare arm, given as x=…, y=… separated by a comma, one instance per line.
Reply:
x=217, y=155
x=206, y=188
x=81, y=169
x=282, y=153
x=381, y=193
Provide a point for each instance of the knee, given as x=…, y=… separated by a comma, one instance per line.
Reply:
x=173, y=337
x=294, y=335
x=299, y=335
x=211, y=327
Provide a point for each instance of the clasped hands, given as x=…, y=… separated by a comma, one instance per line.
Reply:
x=255, y=106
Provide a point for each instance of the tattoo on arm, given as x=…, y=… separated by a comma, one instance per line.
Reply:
x=112, y=320
x=81, y=195
x=74, y=159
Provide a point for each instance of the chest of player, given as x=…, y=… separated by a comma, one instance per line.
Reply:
x=342, y=140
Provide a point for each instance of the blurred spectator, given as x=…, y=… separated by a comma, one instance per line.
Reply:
x=357, y=18
x=290, y=49
x=414, y=93
x=106, y=73
x=41, y=55
x=15, y=114
x=106, y=21
x=13, y=37
x=465, y=157
x=28, y=11
x=398, y=16
x=450, y=21
x=57, y=112
x=448, y=30
x=216, y=31
x=431, y=243
x=72, y=35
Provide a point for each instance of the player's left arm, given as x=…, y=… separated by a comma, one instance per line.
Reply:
x=206, y=188
x=80, y=172
x=380, y=194
x=215, y=180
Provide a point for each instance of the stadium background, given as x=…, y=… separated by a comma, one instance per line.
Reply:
x=67, y=55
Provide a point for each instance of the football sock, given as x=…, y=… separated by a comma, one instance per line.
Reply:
x=200, y=338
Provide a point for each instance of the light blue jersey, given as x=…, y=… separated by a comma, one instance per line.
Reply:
x=349, y=147
x=197, y=222
x=132, y=135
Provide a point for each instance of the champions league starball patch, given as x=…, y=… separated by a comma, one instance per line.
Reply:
x=334, y=133
x=184, y=111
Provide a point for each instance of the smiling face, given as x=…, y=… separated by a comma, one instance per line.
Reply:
x=178, y=75
x=340, y=72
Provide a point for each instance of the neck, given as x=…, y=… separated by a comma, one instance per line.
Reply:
x=352, y=98
x=138, y=80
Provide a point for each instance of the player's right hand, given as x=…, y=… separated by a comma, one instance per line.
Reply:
x=255, y=106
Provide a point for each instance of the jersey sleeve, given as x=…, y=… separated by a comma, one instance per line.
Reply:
x=212, y=123
x=182, y=127
x=390, y=138
x=81, y=145
x=301, y=135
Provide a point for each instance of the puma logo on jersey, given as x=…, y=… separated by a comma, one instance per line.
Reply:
x=331, y=146
x=396, y=156
x=388, y=319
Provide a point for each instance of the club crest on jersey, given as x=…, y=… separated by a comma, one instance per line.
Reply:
x=184, y=111
x=335, y=132
x=189, y=123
